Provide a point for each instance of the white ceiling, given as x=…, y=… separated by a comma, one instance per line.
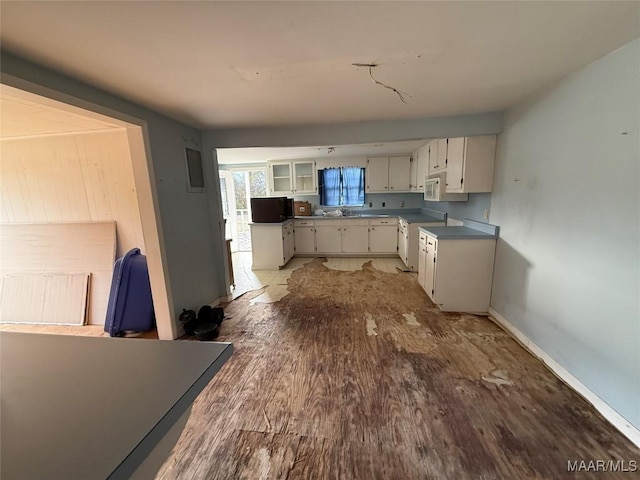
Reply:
x=240, y=64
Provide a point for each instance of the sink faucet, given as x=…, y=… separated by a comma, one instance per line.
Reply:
x=346, y=212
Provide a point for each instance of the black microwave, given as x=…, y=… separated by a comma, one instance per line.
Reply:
x=271, y=209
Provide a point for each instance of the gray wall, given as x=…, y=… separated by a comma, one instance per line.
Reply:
x=190, y=232
x=355, y=133
x=567, y=198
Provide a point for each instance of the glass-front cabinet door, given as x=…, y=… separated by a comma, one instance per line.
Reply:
x=304, y=177
x=281, y=180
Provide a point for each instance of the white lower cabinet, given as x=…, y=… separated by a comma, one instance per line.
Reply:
x=456, y=273
x=408, y=241
x=272, y=245
x=355, y=236
x=383, y=235
x=289, y=243
x=403, y=241
x=304, y=236
x=422, y=256
x=346, y=236
x=328, y=236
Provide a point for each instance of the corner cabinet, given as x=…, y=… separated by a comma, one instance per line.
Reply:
x=470, y=164
x=272, y=245
x=419, y=168
x=388, y=174
x=408, y=241
x=383, y=235
x=467, y=163
x=295, y=177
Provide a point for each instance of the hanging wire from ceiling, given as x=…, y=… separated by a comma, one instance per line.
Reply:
x=401, y=95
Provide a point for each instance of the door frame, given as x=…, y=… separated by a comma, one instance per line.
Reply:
x=144, y=181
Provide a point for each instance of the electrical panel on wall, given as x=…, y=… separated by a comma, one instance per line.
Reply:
x=195, y=170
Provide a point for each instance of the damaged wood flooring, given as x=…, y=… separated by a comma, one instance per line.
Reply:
x=356, y=375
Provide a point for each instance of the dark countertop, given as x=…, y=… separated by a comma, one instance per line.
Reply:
x=273, y=224
x=93, y=407
x=470, y=230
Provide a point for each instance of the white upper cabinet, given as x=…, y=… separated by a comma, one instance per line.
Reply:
x=280, y=178
x=289, y=177
x=413, y=174
x=377, y=174
x=437, y=156
x=422, y=167
x=470, y=164
x=305, y=177
x=388, y=174
x=399, y=173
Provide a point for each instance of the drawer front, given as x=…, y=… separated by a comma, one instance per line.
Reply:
x=288, y=227
x=383, y=221
x=423, y=238
x=355, y=221
x=322, y=223
x=303, y=223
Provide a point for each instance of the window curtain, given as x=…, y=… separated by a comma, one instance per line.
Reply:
x=331, y=187
x=353, y=185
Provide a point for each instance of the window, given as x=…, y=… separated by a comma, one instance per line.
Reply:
x=341, y=186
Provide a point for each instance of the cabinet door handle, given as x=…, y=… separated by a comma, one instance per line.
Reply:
x=430, y=243
x=373, y=228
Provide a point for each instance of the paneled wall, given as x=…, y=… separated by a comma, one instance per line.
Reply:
x=71, y=178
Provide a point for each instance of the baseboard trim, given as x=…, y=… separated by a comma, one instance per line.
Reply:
x=617, y=420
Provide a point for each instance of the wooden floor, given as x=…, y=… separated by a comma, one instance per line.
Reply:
x=80, y=330
x=355, y=374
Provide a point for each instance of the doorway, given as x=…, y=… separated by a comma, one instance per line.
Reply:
x=237, y=187
x=82, y=140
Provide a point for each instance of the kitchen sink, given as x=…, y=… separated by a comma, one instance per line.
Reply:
x=368, y=215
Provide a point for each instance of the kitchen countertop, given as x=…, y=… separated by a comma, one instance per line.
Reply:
x=415, y=216
x=470, y=230
x=94, y=407
x=348, y=217
x=273, y=224
x=421, y=218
